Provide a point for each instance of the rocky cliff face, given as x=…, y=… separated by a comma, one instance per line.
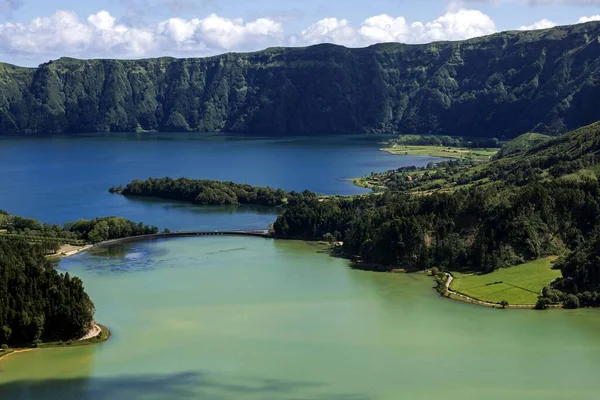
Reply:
x=496, y=86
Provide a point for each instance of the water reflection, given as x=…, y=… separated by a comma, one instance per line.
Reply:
x=172, y=205
x=181, y=385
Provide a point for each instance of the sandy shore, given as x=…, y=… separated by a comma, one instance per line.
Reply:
x=95, y=331
x=67, y=250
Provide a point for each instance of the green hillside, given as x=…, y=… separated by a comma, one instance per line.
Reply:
x=478, y=218
x=500, y=86
x=523, y=143
x=569, y=157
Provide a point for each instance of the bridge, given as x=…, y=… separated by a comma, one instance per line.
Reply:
x=248, y=232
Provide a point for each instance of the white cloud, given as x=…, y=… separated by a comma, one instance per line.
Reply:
x=454, y=25
x=589, y=19
x=541, y=24
x=218, y=33
x=330, y=30
x=65, y=33
x=461, y=24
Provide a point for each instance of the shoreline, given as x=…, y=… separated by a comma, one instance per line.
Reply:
x=457, y=153
x=451, y=294
x=97, y=334
x=447, y=291
x=70, y=251
x=457, y=296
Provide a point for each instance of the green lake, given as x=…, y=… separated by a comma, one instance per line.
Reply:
x=252, y=318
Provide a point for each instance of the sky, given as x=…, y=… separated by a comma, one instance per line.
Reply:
x=35, y=31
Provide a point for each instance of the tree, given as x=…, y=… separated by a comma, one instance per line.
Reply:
x=571, y=302
x=36, y=302
x=504, y=303
x=543, y=303
x=329, y=238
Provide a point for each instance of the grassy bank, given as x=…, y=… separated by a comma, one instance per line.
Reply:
x=520, y=284
x=462, y=153
x=102, y=337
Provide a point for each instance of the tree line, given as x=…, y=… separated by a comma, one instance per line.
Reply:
x=205, y=192
x=478, y=229
x=79, y=232
x=36, y=302
x=446, y=141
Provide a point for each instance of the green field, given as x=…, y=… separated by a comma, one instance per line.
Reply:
x=520, y=284
x=443, y=151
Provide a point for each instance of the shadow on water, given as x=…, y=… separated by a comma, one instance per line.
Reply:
x=185, y=385
x=153, y=202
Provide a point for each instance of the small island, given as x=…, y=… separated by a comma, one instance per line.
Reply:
x=205, y=192
x=523, y=223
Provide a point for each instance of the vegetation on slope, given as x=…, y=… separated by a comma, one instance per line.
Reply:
x=477, y=229
x=499, y=86
x=36, y=302
x=205, y=192
x=570, y=157
x=479, y=218
x=522, y=144
x=77, y=233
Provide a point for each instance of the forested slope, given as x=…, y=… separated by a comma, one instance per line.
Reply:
x=36, y=302
x=502, y=85
x=539, y=202
x=572, y=156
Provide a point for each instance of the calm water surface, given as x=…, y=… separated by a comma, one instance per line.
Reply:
x=251, y=318
x=63, y=179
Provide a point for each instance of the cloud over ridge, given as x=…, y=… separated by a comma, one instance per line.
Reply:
x=66, y=33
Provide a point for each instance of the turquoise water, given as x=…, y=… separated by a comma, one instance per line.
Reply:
x=251, y=318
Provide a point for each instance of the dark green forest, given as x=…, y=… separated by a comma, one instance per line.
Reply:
x=537, y=202
x=36, y=302
x=79, y=232
x=498, y=86
x=205, y=192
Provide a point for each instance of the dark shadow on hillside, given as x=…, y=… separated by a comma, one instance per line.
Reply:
x=188, y=385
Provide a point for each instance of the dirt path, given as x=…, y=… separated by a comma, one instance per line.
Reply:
x=95, y=331
x=462, y=297
x=14, y=352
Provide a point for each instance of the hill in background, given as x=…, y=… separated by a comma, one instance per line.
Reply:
x=503, y=85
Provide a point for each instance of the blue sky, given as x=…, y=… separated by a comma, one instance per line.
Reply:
x=33, y=31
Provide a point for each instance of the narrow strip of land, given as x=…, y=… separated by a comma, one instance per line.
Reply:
x=248, y=232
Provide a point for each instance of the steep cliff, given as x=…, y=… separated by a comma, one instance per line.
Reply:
x=501, y=85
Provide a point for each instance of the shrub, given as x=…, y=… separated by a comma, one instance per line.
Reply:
x=543, y=303
x=571, y=301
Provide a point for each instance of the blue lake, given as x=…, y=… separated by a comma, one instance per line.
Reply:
x=63, y=179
